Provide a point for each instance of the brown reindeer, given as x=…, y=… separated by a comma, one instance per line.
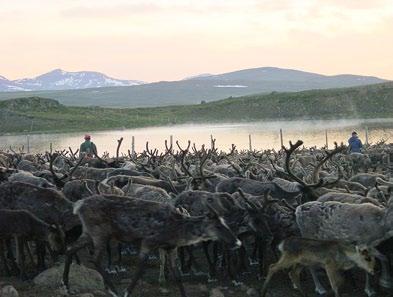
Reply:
x=333, y=256
x=150, y=224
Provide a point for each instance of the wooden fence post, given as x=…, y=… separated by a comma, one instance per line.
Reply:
x=249, y=142
x=281, y=139
x=366, y=130
x=326, y=139
x=133, y=145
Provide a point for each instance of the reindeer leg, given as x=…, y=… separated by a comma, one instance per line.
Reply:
x=253, y=257
x=262, y=251
x=83, y=241
x=143, y=256
x=21, y=257
x=385, y=279
x=334, y=279
x=175, y=271
x=10, y=256
x=161, y=278
x=4, y=259
x=41, y=251
x=77, y=260
x=109, y=253
x=212, y=271
x=100, y=245
x=283, y=263
x=318, y=286
x=368, y=289
x=29, y=253
x=242, y=266
x=294, y=275
x=182, y=259
x=119, y=248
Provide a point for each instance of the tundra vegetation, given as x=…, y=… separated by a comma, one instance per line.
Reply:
x=203, y=213
x=37, y=114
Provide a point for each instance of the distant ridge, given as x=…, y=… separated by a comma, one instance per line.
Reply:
x=192, y=90
x=59, y=79
x=282, y=74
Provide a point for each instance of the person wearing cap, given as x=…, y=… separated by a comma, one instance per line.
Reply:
x=88, y=148
x=355, y=144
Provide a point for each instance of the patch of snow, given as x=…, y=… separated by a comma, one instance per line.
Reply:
x=16, y=88
x=230, y=86
x=198, y=76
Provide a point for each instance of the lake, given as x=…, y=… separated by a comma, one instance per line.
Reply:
x=264, y=135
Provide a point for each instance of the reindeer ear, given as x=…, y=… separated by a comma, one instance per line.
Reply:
x=53, y=228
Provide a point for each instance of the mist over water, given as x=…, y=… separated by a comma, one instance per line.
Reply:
x=264, y=135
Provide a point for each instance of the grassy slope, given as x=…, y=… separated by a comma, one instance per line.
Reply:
x=40, y=115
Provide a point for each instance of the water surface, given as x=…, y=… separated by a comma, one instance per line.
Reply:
x=264, y=135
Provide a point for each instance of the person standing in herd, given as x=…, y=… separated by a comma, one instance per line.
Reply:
x=87, y=149
x=355, y=144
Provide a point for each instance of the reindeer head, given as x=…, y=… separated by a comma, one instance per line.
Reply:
x=365, y=258
x=216, y=227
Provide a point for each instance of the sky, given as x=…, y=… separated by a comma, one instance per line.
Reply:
x=172, y=39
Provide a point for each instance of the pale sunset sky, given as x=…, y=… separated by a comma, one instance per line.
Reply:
x=173, y=39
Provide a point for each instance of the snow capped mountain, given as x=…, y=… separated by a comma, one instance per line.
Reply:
x=61, y=80
x=7, y=85
x=202, y=75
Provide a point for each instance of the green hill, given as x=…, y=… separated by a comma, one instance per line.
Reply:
x=46, y=115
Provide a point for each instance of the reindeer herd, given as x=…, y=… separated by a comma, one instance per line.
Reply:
x=297, y=208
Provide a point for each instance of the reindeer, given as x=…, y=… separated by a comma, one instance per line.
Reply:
x=25, y=226
x=152, y=225
x=27, y=177
x=333, y=256
x=364, y=224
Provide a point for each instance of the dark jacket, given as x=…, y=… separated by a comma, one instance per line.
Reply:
x=355, y=144
x=88, y=148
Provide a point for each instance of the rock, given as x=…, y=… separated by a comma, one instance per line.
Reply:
x=8, y=291
x=216, y=292
x=252, y=292
x=203, y=288
x=81, y=278
x=86, y=295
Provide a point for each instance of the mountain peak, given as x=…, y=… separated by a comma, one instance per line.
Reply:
x=59, y=79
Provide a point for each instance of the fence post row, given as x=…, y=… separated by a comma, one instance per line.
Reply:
x=212, y=141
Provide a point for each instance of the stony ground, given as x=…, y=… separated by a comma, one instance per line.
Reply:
x=196, y=285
